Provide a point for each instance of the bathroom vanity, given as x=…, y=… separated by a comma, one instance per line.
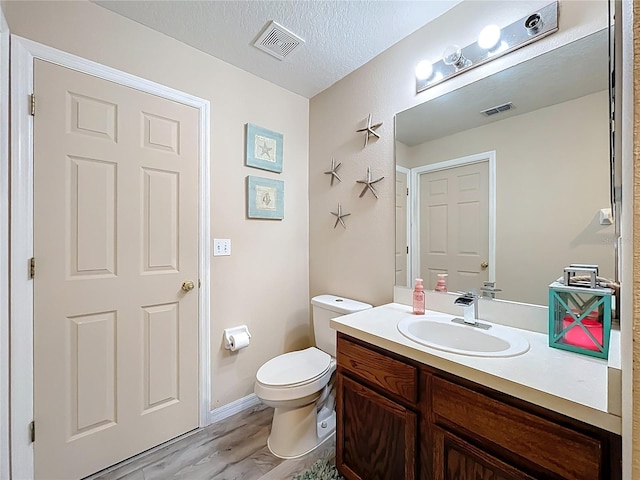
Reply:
x=405, y=411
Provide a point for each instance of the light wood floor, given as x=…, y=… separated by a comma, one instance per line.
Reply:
x=233, y=449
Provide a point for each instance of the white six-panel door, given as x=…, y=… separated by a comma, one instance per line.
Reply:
x=454, y=226
x=115, y=238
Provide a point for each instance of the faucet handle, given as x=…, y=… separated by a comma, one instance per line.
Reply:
x=469, y=294
x=489, y=290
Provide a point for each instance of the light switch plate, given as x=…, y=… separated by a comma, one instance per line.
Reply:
x=221, y=247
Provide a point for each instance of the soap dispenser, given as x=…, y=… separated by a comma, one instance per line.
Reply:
x=441, y=285
x=418, y=297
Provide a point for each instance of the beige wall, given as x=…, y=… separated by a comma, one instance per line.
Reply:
x=552, y=178
x=264, y=283
x=359, y=262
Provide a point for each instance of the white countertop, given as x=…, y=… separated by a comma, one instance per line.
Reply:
x=565, y=382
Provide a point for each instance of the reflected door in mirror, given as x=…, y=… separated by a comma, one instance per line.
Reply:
x=454, y=225
x=402, y=224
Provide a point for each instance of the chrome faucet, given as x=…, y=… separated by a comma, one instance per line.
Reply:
x=469, y=303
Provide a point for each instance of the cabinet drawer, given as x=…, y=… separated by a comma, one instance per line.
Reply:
x=555, y=448
x=393, y=376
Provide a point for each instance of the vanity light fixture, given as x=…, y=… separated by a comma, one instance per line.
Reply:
x=493, y=42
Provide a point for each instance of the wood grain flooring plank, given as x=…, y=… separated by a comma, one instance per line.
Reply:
x=232, y=449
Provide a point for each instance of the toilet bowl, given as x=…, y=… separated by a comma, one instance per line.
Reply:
x=298, y=385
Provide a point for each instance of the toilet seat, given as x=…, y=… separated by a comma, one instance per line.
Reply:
x=294, y=368
x=295, y=376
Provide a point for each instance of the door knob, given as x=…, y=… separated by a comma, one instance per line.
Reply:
x=188, y=286
x=483, y=265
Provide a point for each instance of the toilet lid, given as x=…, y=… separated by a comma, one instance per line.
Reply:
x=294, y=367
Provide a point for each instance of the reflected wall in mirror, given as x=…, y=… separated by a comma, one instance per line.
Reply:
x=515, y=196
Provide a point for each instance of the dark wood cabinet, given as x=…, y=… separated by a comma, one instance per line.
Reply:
x=376, y=408
x=398, y=420
x=544, y=447
x=378, y=436
x=456, y=459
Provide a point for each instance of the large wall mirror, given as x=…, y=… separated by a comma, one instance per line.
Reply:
x=514, y=194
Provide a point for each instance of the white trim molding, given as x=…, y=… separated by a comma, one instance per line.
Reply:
x=414, y=198
x=407, y=172
x=237, y=406
x=4, y=247
x=23, y=54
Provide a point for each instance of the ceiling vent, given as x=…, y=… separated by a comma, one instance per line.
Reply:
x=499, y=109
x=278, y=41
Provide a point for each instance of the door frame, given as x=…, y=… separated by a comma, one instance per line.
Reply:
x=414, y=199
x=23, y=54
x=4, y=247
x=407, y=172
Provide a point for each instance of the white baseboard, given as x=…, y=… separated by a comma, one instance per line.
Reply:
x=234, y=407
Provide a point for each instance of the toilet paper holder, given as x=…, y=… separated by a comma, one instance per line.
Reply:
x=229, y=332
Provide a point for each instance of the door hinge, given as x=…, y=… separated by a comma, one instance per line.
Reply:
x=32, y=432
x=407, y=249
x=32, y=267
x=199, y=284
x=407, y=191
x=33, y=104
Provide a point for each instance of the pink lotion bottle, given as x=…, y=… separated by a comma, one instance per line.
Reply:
x=418, y=298
x=441, y=285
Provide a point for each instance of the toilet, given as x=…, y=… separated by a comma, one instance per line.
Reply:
x=296, y=384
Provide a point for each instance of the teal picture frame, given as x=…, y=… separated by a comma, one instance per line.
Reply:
x=265, y=198
x=263, y=148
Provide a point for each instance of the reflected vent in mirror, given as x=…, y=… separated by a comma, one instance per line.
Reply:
x=498, y=109
x=278, y=41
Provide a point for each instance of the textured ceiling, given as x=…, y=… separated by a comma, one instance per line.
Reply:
x=340, y=36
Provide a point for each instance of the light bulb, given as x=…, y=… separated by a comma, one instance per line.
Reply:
x=452, y=55
x=489, y=37
x=424, y=70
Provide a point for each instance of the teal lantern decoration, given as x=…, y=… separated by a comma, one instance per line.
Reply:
x=580, y=316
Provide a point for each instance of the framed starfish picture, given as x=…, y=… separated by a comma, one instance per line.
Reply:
x=263, y=149
x=265, y=198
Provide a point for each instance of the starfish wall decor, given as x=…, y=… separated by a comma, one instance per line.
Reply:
x=340, y=217
x=370, y=130
x=265, y=151
x=334, y=171
x=368, y=184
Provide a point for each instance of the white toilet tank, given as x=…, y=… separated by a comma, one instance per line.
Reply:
x=326, y=307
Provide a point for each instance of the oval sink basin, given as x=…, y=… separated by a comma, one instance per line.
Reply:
x=443, y=334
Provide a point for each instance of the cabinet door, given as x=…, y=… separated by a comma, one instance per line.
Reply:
x=376, y=437
x=455, y=459
x=525, y=438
